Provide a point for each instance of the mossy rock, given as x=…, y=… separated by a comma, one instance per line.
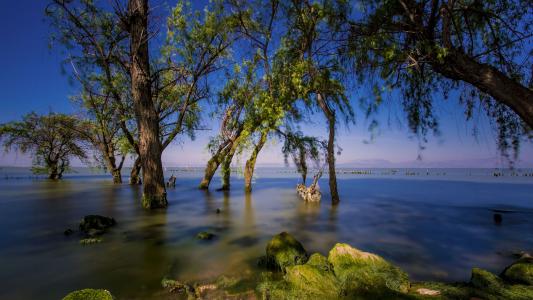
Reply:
x=320, y=261
x=366, y=274
x=520, y=272
x=314, y=278
x=491, y=287
x=283, y=251
x=206, y=236
x=89, y=294
x=93, y=225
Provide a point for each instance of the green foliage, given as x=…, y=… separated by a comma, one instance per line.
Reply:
x=52, y=140
x=404, y=46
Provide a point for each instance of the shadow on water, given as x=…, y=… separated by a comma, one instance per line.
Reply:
x=432, y=229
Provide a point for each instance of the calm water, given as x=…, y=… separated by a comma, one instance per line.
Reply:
x=436, y=227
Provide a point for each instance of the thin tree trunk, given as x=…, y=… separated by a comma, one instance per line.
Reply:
x=250, y=163
x=135, y=175
x=330, y=115
x=213, y=163
x=154, y=193
x=226, y=168
x=459, y=66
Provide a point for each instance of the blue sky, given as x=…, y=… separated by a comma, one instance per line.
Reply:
x=31, y=80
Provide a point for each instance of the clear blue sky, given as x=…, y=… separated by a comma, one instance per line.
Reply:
x=31, y=80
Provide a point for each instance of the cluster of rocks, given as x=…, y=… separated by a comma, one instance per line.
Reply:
x=92, y=227
x=346, y=273
x=350, y=273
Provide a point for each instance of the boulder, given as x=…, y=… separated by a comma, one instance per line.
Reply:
x=315, y=279
x=89, y=294
x=520, y=272
x=363, y=273
x=489, y=286
x=284, y=250
x=93, y=225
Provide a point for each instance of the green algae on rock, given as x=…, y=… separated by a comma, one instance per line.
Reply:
x=284, y=250
x=489, y=286
x=314, y=279
x=520, y=272
x=361, y=272
x=89, y=294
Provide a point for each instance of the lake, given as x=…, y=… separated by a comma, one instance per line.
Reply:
x=435, y=224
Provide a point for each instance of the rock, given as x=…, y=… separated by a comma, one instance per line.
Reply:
x=439, y=290
x=490, y=286
x=309, y=194
x=427, y=292
x=68, y=231
x=89, y=294
x=520, y=272
x=315, y=279
x=284, y=250
x=363, y=273
x=176, y=286
x=90, y=241
x=204, y=235
x=93, y=225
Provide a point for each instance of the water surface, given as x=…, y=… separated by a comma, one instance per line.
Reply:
x=436, y=228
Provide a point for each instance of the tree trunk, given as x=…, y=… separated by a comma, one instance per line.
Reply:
x=154, y=193
x=486, y=78
x=213, y=163
x=117, y=176
x=135, y=175
x=53, y=172
x=226, y=168
x=330, y=115
x=250, y=163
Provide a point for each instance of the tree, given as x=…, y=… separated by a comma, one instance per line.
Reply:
x=52, y=139
x=96, y=51
x=103, y=131
x=477, y=47
x=317, y=70
x=163, y=93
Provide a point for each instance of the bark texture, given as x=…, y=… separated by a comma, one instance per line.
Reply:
x=154, y=193
x=250, y=163
x=459, y=66
x=214, y=163
x=330, y=116
x=135, y=175
x=226, y=169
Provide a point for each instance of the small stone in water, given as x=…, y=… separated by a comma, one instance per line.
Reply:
x=428, y=292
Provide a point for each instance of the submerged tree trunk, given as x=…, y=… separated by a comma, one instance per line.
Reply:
x=226, y=168
x=135, y=175
x=154, y=193
x=213, y=163
x=459, y=66
x=330, y=115
x=250, y=163
x=53, y=172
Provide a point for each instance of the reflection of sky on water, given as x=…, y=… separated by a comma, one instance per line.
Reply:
x=433, y=229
